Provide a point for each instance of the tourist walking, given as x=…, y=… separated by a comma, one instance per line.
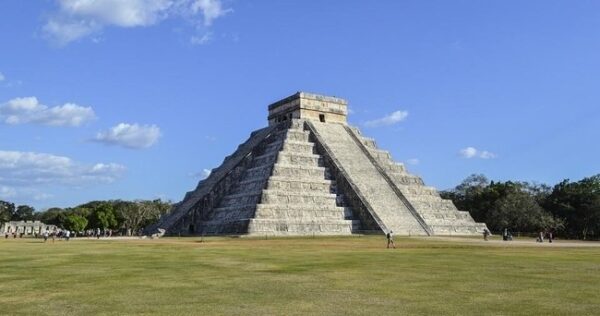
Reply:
x=506, y=235
x=486, y=234
x=390, y=239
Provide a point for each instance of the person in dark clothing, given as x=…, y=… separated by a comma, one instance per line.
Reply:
x=486, y=234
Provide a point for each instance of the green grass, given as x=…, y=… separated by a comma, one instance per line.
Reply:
x=322, y=276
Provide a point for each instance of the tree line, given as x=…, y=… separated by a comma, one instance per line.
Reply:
x=570, y=208
x=119, y=215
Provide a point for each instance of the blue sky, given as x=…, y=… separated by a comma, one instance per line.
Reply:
x=134, y=99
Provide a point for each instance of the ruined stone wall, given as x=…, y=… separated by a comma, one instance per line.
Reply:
x=26, y=227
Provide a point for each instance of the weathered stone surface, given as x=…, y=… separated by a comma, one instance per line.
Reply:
x=309, y=173
x=26, y=227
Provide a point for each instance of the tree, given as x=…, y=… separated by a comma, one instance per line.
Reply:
x=578, y=203
x=75, y=223
x=53, y=216
x=513, y=205
x=520, y=211
x=468, y=196
x=103, y=216
x=139, y=214
x=24, y=213
x=7, y=211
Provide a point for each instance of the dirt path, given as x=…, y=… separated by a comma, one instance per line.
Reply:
x=516, y=243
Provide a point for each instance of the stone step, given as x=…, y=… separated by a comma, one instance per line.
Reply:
x=392, y=166
x=296, y=214
x=252, y=184
x=463, y=229
x=424, y=198
x=414, y=190
x=258, y=172
x=251, y=197
x=298, y=184
x=369, y=142
x=287, y=227
x=234, y=212
x=445, y=216
x=436, y=205
x=266, y=159
x=405, y=179
x=306, y=198
x=297, y=135
x=300, y=147
x=282, y=170
x=301, y=159
x=294, y=207
x=274, y=146
x=381, y=155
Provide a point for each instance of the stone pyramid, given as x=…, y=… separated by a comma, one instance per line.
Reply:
x=310, y=173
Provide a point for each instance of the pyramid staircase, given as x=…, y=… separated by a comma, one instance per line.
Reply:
x=440, y=215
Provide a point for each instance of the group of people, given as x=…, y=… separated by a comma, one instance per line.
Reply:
x=507, y=235
x=13, y=234
x=97, y=233
x=548, y=234
x=57, y=233
x=64, y=233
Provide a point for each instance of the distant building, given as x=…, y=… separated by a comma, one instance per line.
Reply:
x=25, y=227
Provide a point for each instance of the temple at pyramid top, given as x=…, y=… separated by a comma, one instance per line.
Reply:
x=309, y=106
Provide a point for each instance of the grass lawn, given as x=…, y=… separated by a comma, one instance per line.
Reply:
x=296, y=276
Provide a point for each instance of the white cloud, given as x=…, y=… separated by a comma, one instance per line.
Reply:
x=76, y=19
x=390, y=119
x=132, y=136
x=63, y=31
x=201, y=40
x=468, y=152
x=205, y=173
x=211, y=10
x=30, y=168
x=472, y=152
x=2, y=77
x=30, y=110
x=121, y=13
x=413, y=161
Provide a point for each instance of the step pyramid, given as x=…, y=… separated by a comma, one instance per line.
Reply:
x=310, y=173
